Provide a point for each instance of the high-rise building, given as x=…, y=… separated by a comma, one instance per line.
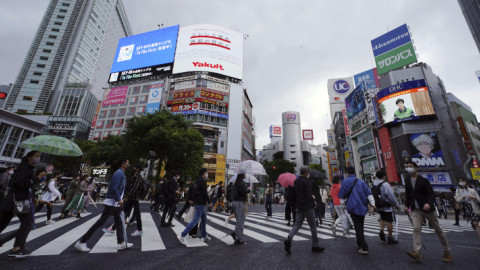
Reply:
x=73, y=44
x=471, y=11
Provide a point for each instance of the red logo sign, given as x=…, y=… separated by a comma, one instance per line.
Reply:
x=205, y=64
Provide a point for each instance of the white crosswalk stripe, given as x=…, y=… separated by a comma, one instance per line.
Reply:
x=258, y=229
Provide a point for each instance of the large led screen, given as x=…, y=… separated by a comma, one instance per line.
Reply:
x=404, y=101
x=355, y=102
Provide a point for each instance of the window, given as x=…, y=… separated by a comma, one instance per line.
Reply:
x=109, y=123
x=55, y=30
x=133, y=100
x=41, y=65
x=20, y=150
x=119, y=122
x=65, y=4
x=141, y=109
x=112, y=113
x=121, y=111
x=99, y=124
x=52, y=36
x=27, y=98
x=57, y=23
x=47, y=50
x=60, y=16
x=34, y=81
x=136, y=90
x=97, y=135
x=103, y=114
x=131, y=110
x=36, y=73
x=49, y=43
x=63, y=10
x=43, y=58
x=144, y=98
x=11, y=142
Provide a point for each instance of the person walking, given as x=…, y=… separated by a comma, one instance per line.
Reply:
x=72, y=186
x=4, y=180
x=133, y=193
x=18, y=192
x=339, y=207
x=323, y=201
x=290, y=205
x=200, y=200
x=48, y=197
x=240, y=193
x=385, y=209
x=187, y=192
x=77, y=202
x=469, y=199
x=268, y=199
x=304, y=206
x=457, y=206
x=419, y=197
x=357, y=195
x=229, y=210
x=319, y=205
x=113, y=204
x=218, y=201
x=171, y=193
x=87, y=195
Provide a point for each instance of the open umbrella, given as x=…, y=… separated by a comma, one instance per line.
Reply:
x=251, y=167
x=314, y=174
x=286, y=179
x=248, y=179
x=53, y=145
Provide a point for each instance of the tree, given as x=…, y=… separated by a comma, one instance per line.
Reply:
x=277, y=167
x=71, y=165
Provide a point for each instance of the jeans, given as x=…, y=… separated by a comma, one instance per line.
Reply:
x=199, y=214
x=239, y=210
x=330, y=203
x=21, y=234
x=358, y=222
x=418, y=216
x=301, y=215
x=107, y=212
x=268, y=205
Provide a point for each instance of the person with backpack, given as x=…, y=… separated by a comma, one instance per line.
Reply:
x=229, y=209
x=384, y=201
x=304, y=206
x=290, y=205
x=357, y=196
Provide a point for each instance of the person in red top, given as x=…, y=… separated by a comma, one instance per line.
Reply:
x=339, y=207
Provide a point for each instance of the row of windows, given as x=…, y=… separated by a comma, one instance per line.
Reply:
x=16, y=136
x=104, y=134
x=121, y=112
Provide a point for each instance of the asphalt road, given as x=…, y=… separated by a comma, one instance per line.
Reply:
x=264, y=249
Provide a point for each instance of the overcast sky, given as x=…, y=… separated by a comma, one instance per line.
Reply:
x=293, y=47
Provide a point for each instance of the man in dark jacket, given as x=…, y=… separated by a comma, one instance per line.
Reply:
x=290, y=205
x=170, y=193
x=419, y=196
x=188, y=193
x=200, y=199
x=133, y=193
x=304, y=207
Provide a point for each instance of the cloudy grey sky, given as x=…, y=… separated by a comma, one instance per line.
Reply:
x=293, y=47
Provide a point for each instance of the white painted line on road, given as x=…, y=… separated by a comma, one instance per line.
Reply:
x=151, y=239
x=191, y=242
x=37, y=221
x=59, y=244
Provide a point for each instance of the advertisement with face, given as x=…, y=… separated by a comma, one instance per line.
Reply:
x=423, y=148
x=204, y=47
x=355, y=102
x=404, y=101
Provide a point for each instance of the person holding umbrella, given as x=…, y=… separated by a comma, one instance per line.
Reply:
x=240, y=193
x=304, y=207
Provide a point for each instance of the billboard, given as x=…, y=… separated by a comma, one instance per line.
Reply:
x=275, y=131
x=307, y=134
x=345, y=122
x=396, y=58
x=115, y=95
x=355, y=102
x=146, y=50
x=369, y=78
x=404, y=101
x=388, y=157
x=339, y=89
x=186, y=107
x=391, y=40
x=205, y=47
x=154, y=97
x=423, y=148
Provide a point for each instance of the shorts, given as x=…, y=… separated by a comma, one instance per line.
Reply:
x=386, y=216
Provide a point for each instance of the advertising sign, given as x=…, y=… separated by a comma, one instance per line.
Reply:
x=331, y=138
x=367, y=79
x=214, y=114
x=355, y=102
x=275, y=131
x=437, y=178
x=140, y=73
x=339, y=89
x=307, y=134
x=211, y=48
x=146, y=49
x=423, y=148
x=466, y=138
x=208, y=94
x=404, y=101
x=186, y=107
x=116, y=95
x=396, y=58
x=185, y=85
x=391, y=40
x=154, y=97
x=345, y=122
x=475, y=173
x=388, y=157
x=184, y=94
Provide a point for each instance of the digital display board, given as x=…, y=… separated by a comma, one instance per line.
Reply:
x=404, y=101
x=423, y=148
x=355, y=102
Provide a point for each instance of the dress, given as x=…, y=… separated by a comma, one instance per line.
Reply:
x=77, y=202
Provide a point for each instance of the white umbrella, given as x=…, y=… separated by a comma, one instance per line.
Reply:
x=251, y=167
x=248, y=179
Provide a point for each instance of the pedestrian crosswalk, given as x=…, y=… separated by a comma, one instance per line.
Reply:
x=60, y=237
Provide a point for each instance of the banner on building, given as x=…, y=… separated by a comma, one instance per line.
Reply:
x=275, y=131
x=345, y=122
x=388, y=155
x=115, y=95
x=154, y=97
x=307, y=134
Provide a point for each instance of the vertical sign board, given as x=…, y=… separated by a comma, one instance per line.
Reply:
x=275, y=131
x=154, y=97
x=345, y=122
x=388, y=155
x=307, y=134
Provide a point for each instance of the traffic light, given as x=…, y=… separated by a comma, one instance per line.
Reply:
x=274, y=167
x=3, y=95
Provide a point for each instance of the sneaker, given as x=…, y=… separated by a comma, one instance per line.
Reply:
x=447, y=257
x=334, y=229
x=137, y=233
x=392, y=241
x=363, y=252
x=289, y=224
x=318, y=249
x=382, y=236
x=288, y=246
x=206, y=239
x=109, y=231
x=48, y=222
x=82, y=247
x=416, y=256
x=240, y=242
x=226, y=222
x=132, y=223
x=122, y=246
x=192, y=235
x=21, y=253
x=183, y=239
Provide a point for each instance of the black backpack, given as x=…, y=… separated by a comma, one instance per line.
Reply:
x=377, y=195
x=290, y=195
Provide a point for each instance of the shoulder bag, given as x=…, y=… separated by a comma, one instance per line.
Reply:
x=350, y=191
x=21, y=207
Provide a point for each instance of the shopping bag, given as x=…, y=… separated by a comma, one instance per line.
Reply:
x=189, y=215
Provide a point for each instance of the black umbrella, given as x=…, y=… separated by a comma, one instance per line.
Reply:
x=314, y=174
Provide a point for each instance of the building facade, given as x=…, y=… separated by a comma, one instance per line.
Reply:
x=68, y=48
x=471, y=12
